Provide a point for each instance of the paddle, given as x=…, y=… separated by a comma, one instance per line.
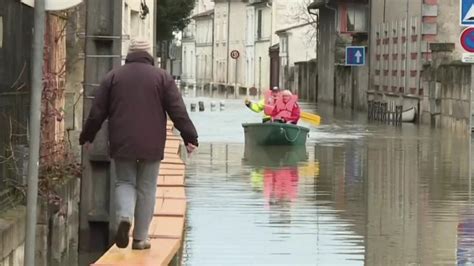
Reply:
x=311, y=118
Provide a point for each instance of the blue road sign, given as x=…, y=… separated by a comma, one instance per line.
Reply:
x=355, y=55
x=467, y=12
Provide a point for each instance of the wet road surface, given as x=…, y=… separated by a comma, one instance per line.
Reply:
x=357, y=194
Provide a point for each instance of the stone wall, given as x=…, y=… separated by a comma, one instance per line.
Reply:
x=305, y=81
x=351, y=85
x=57, y=230
x=447, y=103
x=12, y=236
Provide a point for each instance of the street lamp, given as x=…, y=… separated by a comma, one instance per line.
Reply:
x=317, y=4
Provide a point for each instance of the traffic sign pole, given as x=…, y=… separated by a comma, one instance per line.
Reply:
x=235, y=55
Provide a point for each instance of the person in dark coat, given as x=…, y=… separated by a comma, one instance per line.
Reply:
x=136, y=99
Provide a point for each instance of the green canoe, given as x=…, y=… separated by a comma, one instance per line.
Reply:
x=275, y=134
x=274, y=156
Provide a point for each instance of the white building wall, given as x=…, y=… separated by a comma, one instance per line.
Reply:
x=284, y=15
x=135, y=27
x=192, y=56
x=295, y=46
x=202, y=6
x=250, y=47
x=228, y=39
x=204, y=50
x=236, y=39
x=300, y=47
x=220, y=44
x=189, y=64
x=262, y=45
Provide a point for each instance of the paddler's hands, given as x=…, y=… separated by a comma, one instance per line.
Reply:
x=247, y=102
x=190, y=148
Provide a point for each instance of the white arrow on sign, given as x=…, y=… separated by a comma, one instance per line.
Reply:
x=469, y=15
x=358, y=55
x=55, y=5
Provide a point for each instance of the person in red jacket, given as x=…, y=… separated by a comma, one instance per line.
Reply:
x=287, y=109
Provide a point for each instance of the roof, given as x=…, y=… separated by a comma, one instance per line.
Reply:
x=203, y=14
x=293, y=27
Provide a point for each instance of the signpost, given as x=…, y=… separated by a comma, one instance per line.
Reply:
x=235, y=55
x=355, y=55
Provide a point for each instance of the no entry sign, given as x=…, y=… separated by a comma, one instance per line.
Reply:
x=234, y=54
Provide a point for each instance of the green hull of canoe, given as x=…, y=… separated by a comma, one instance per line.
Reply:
x=275, y=134
x=274, y=156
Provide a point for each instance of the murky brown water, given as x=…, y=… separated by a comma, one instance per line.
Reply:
x=362, y=194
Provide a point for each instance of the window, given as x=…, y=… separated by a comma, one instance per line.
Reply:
x=1, y=32
x=353, y=18
x=259, y=24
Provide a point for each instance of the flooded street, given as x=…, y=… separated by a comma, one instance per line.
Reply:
x=357, y=194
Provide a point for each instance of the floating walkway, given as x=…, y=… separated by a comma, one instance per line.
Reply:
x=167, y=227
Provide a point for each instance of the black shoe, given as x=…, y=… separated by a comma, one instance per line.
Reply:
x=141, y=244
x=121, y=238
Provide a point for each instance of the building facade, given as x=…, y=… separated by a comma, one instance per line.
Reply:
x=341, y=24
x=296, y=45
x=204, y=46
x=197, y=36
x=258, y=36
x=135, y=24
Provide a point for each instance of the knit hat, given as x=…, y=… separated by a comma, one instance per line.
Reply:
x=139, y=45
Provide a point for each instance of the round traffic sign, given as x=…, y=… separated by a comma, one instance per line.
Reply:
x=467, y=40
x=234, y=54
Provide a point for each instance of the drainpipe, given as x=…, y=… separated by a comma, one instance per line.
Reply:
x=317, y=52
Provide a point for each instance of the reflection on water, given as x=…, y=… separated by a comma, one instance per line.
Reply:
x=275, y=171
x=385, y=196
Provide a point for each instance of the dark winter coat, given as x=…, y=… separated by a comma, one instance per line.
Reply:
x=136, y=98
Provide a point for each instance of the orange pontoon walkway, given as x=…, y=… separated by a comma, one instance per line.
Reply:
x=167, y=226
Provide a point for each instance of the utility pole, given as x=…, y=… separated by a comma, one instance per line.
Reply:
x=35, y=129
x=103, y=52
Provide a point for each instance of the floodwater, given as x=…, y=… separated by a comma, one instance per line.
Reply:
x=359, y=193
